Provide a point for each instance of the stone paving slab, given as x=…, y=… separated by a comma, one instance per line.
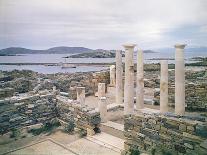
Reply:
x=46, y=147
x=110, y=140
x=88, y=147
x=114, y=125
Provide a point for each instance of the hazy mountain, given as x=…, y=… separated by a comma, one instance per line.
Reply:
x=64, y=49
x=74, y=50
x=54, y=50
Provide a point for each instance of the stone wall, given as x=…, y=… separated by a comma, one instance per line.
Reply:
x=29, y=109
x=146, y=132
x=6, y=92
x=195, y=88
x=17, y=112
x=71, y=112
x=100, y=77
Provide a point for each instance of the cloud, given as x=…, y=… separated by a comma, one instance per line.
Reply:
x=101, y=23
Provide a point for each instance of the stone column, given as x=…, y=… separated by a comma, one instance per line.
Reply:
x=54, y=88
x=129, y=79
x=164, y=86
x=103, y=109
x=140, y=81
x=179, y=79
x=101, y=90
x=81, y=95
x=119, y=72
x=112, y=75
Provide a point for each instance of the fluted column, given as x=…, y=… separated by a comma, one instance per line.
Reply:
x=101, y=90
x=81, y=95
x=140, y=81
x=164, y=86
x=179, y=79
x=129, y=79
x=103, y=109
x=119, y=72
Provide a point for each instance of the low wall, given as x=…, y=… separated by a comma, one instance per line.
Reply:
x=6, y=92
x=17, y=112
x=148, y=132
x=28, y=109
x=71, y=112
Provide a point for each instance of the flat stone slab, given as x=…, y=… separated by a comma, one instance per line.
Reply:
x=149, y=110
x=114, y=125
x=113, y=141
x=114, y=106
x=87, y=146
x=46, y=147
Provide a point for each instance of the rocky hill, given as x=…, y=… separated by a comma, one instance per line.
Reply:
x=54, y=50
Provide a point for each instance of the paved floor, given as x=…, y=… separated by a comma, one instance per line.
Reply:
x=100, y=144
x=46, y=147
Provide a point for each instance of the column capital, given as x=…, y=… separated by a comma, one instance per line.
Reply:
x=181, y=46
x=129, y=45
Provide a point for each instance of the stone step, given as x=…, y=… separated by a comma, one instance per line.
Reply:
x=114, y=129
x=107, y=140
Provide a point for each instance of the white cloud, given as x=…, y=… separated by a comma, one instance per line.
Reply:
x=96, y=23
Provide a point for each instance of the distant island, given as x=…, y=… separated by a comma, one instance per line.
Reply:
x=54, y=50
x=83, y=52
x=101, y=54
x=97, y=54
x=79, y=52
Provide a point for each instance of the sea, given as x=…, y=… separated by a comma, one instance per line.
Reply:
x=57, y=58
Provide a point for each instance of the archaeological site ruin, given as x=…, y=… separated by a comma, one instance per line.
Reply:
x=130, y=108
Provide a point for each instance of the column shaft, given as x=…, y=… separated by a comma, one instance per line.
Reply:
x=140, y=81
x=164, y=86
x=112, y=75
x=119, y=72
x=101, y=90
x=81, y=95
x=179, y=80
x=129, y=80
x=103, y=109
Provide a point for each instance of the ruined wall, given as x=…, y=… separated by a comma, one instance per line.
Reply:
x=71, y=112
x=100, y=77
x=195, y=90
x=146, y=132
x=20, y=85
x=27, y=110
x=6, y=92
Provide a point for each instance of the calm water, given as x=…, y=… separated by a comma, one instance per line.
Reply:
x=50, y=69
x=56, y=58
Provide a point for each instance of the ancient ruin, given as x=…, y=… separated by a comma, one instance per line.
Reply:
x=118, y=103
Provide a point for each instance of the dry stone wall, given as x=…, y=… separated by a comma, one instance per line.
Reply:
x=71, y=112
x=30, y=109
x=26, y=110
x=183, y=135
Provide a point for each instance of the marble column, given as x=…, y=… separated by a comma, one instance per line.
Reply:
x=54, y=88
x=129, y=79
x=101, y=90
x=164, y=86
x=103, y=109
x=119, y=72
x=179, y=79
x=140, y=81
x=112, y=75
x=81, y=95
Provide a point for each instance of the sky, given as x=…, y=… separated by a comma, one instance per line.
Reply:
x=106, y=24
